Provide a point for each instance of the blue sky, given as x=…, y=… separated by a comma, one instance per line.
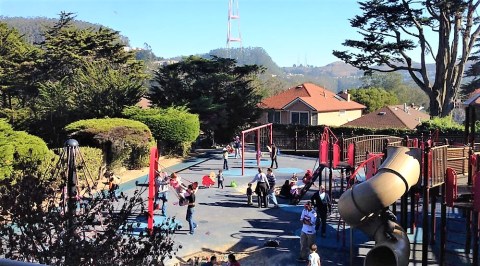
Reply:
x=291, y=31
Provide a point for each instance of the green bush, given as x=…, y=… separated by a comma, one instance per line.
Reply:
x=444, y=125
x=20, y=151
x=125, y=142
x=174, y=128
x=93, y=161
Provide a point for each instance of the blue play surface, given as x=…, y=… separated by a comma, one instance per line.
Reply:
x=140, y=223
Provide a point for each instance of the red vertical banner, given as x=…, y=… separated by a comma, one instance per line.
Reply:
x=151, y=186
x=351, y=155
x=336, y=155
x=324, y=152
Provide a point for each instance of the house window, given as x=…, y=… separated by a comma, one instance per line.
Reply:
x=342, y=112
x=274, y=117
x=299, y=118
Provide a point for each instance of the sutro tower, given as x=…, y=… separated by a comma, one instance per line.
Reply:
x=233, y=14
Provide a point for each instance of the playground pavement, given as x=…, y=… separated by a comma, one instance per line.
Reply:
x=226, y=224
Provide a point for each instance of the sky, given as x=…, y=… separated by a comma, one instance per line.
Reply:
x=290, y=31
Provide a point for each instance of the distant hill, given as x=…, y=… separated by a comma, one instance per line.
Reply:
x=32, y=29
x=336, y=76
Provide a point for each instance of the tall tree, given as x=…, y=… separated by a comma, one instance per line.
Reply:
x=395, y=29
x=218, y=90
x=393, y=82
x=373, y=98
x=16, y=66
x=84, y=73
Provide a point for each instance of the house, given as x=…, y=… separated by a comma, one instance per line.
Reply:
x=309, y=104
x=393, y=116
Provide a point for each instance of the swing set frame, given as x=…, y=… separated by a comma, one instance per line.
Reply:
x=257, y=131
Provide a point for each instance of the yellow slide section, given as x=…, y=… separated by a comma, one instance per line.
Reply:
x=364, y=206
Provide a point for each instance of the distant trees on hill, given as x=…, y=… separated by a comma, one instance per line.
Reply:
x=217, y=89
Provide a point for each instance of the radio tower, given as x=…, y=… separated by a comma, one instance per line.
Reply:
x=233, y=14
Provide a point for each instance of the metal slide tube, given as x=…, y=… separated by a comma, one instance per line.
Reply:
x=361, y=205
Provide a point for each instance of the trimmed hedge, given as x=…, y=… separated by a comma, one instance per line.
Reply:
x=174, y=128
x=20, y=151
x=125, y=142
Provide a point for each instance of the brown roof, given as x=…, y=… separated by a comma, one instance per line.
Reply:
x=318, y=98
x=393, y=116
x=144, y=103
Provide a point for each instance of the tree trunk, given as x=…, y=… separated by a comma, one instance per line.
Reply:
x=435, y=107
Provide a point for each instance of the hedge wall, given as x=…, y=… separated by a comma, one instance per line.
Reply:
x=174, y=128
x=124, y=142
x=20, y=151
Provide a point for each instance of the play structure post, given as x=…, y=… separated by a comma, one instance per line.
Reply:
x=243, y=152
x=426, y=196
x=151, y=186
x=330, y=173
x=443, y=224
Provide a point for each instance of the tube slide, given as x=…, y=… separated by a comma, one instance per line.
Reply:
x=365, y=206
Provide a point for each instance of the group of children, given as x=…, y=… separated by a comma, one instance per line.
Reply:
x=290, y=188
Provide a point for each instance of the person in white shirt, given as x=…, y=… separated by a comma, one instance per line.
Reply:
x=313, y=258
x=262, y=187
x=161, y=184
x=307, y=237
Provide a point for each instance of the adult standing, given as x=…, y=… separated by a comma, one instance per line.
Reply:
x=161, y=184
x=273, y=155
x=191, y=209
x=323, y=205
x=236, y=145
x=307, y=237
x=262, y=187
x=271, y=183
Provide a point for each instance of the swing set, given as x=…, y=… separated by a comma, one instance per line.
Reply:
x=176, y=186
x=261, y=134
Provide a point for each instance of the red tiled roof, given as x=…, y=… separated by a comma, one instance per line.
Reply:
x=318, y=98
x=393, y=116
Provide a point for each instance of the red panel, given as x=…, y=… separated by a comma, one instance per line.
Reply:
x=151, y=185
x=351, y=154
x=415, y=143
x=324, y=152
x=476, y=193
x=336, y=155
x=451, y=187
x=373, y=162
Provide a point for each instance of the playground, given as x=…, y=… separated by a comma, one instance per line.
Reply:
x=396, y=201
x=439, y=208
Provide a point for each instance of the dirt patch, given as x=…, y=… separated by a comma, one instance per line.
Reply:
x=165, y=162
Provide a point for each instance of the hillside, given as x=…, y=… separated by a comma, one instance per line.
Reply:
x=33, y=28
x=336, y=76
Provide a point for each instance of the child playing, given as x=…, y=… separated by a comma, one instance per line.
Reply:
x=220, y=178
x=313, y=258
x=249, y=194
x=225, y=158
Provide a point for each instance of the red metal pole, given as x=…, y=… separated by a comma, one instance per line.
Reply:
x=151, y=186
x=271, y=134
x=243, y=153
x=258, y=150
